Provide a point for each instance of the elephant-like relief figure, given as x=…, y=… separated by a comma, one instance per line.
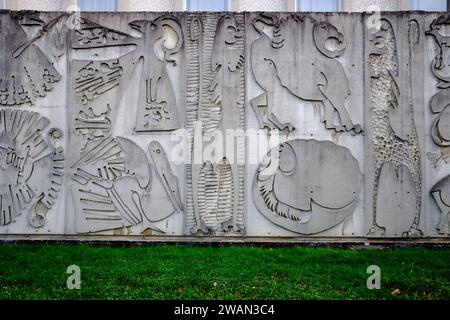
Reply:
x=307, y=186
x=286, y=50
x=150, y=44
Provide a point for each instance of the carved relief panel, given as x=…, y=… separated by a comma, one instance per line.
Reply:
x=225, y=124
x=125, y=99
x=395, y=139
x=305, y=173
x=437, y=26
x=215, y=117
x=32, y=117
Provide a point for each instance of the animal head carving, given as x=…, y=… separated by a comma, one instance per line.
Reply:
x=160, y=32
x=327, y=35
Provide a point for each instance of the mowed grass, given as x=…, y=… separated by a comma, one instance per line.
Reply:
x=36, y=271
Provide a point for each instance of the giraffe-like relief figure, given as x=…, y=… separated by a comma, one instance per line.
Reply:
x=289, y=48
x=396, y=155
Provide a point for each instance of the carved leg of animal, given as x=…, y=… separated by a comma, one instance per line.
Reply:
x=259, y=104
x=337, y=100
x=271, y=117
x=328, y=119
x=233, y=223
x=375, y=229
x=199, y=225
x=415, y=232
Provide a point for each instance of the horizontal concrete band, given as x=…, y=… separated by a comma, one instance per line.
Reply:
x=332, y=242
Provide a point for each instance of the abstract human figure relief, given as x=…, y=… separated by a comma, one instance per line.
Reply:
x=439, y=104
x=27, y=72
x=397, y=183
x=307, y=186
x=116, y=187
x=441, y=194
x=217, y=185
x=156, y=108
x=31, y=166
x=288, y=48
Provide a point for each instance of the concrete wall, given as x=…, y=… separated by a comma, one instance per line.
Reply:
x=273, y=125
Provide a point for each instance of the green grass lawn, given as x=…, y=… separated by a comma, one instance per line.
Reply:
x=36, y=271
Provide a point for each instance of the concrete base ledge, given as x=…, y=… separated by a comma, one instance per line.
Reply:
x=331, y=242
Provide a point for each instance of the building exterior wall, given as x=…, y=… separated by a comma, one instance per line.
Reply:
x=113, y=124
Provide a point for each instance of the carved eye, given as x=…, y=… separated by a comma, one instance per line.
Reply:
x=288, y=159
x=323, y=26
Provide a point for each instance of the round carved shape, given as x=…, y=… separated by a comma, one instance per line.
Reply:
x=307, y=186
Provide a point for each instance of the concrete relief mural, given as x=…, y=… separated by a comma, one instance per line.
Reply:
x=392, y=139
x=439, y=108
x=307, y=186
x=277, y=59
x=215, y=98
x=115, y=184
x=31, y=166
x=28, y=73
x=291, y=124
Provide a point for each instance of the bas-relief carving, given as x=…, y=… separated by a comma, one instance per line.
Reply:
x=276, y=58
x=114, y=185
x=31, y=166
x=439, y=102
x=439, y=105
x=27, y=72
x=119, y=54
x=117, y=187
x=394, y=143
x=307, y=186
x=215, y=188
x=441, y=195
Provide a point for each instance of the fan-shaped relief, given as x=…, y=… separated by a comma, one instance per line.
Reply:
x=394, y=141
x=116, y=187
x=215, y=91
x=276, y=60
x=307, y=186
x=27, y=73
x=31, y=166
x=439, y=103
